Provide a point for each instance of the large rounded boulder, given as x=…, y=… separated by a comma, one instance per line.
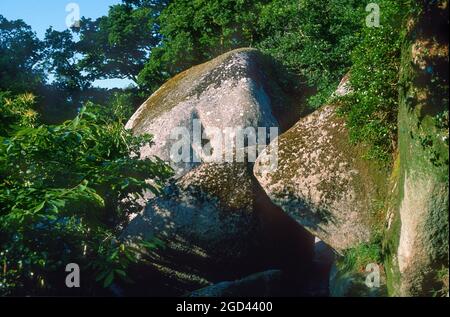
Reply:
x=236, y=89
x=210, y=210
x=217, y=225
x=216, y=222
x=322, y=180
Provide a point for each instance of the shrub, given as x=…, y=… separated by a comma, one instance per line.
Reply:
x=357, y=258
x=65, y=193
x=371, y=110
x=312, y=38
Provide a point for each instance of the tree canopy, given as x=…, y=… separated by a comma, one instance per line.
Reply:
x=20, y=56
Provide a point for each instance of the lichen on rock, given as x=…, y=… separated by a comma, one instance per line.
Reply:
x=322, y=180
x=214, y=219
x=233, y=90
x=207, y=211
x=416, y=244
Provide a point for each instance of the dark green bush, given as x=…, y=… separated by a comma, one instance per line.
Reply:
x=65, y=192
x=313, y=38
x=371, y=110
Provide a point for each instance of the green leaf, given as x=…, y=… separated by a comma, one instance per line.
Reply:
x=120, y=272
x=101, y=276
x=108, y=280
x=59, y=203
x=39, y=207
x=113, y=255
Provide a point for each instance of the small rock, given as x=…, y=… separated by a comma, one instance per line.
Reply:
x=264, y=284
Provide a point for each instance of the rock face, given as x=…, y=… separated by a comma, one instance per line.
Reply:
x=215, y=220
x=209, y=210
x=233, y=90
x=321, y=180
x=417, y=238
x=262, y=284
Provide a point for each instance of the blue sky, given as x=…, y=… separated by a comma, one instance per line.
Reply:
x=42, y=14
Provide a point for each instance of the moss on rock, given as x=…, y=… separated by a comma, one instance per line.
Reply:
x=416, y=242
x=242, y=88
x=322, y=181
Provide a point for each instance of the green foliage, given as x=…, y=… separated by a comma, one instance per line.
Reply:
x=20, y=56
x=115, y=257
x=442, y=278
x=65, y=193
x=356, y=259
x=196, y=31
x=60, y=60
x=312, y=38
x=371, y=110
x=119, y=44
x=121, y=106
x=15, y=112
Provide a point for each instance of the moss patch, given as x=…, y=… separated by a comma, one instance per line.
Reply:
x=273, y=77
x=423, y=157
x=230, y=183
